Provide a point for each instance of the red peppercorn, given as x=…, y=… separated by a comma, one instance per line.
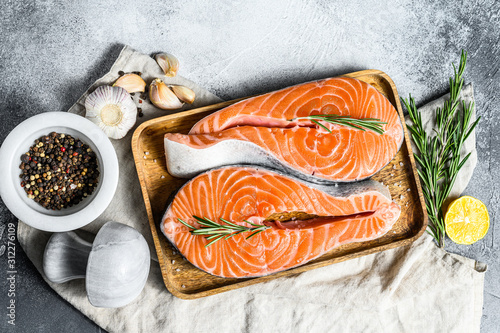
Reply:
x=63, y=149
x=75, y=154
x=30, y=158
x=67, y=170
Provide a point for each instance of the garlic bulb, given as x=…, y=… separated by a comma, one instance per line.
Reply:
x=131, y=83
x=112, y=109
x=162, y=97
x=184, y=93
x=168, y=63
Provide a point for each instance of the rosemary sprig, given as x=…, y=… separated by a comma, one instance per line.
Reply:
x=214, y=231
x=362, y=124
x=438, y=156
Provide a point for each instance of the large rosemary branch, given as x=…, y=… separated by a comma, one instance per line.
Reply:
x=214, y=231
x=362, y=124
x=438, y=156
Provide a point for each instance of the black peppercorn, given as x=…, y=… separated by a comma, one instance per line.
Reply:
x=49, y=170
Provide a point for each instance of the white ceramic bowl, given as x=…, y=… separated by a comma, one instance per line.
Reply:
x=22, y=138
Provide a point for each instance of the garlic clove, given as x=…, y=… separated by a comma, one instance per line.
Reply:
x=184, y=94
x=131, y=83
x=168, y=63
x=112, y=109
x=162, y=97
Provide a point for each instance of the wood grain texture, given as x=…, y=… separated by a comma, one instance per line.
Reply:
x=188, y=282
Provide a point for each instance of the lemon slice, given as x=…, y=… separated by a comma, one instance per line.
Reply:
x=466, y=220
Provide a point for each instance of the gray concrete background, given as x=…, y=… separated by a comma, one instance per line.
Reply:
x=51, y=51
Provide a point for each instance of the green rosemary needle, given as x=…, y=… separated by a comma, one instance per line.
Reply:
x=362, y=124
x=438, y=156
x=214, y=231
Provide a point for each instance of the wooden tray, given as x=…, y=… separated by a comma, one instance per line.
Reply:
x=188, y=282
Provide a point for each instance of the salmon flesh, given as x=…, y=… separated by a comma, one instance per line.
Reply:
x=305, y=220
x=260, y=131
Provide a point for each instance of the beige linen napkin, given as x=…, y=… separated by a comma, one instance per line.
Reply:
x=417, y=288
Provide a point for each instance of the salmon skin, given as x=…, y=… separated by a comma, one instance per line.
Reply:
x=340, y=214
x=258, y=131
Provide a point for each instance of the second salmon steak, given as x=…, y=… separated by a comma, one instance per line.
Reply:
x=303, y=220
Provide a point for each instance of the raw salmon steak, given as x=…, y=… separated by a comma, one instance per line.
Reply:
x=306, y=220
x=258, y=131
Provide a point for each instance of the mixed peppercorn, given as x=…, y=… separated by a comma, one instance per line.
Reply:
x=59, y=171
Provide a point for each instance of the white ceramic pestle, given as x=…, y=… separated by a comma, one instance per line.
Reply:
x=115, y=266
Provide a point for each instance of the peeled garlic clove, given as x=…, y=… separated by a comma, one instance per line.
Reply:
x=131, y=83
x=112, y=109
x=168, y=63
x=184, y=93
x=162, y=97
